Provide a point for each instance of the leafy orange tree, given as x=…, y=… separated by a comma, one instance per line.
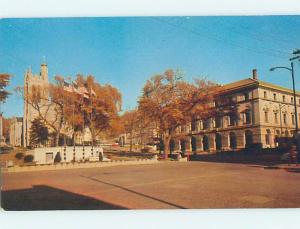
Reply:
x=171, y=102
x=130, y=120
x=49, y=102
x=100, y=106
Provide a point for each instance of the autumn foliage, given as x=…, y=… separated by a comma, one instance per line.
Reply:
x=171, y=102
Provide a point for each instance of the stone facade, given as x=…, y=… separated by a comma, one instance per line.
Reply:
x=16, y=132
x=30, y=113
x=263, y=111
x=47, y=109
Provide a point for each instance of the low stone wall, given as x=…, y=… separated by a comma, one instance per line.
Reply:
x=76, y=165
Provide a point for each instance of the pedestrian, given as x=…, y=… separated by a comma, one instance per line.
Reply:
x=293, y=155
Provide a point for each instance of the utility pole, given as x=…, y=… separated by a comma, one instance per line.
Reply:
x=291, y=69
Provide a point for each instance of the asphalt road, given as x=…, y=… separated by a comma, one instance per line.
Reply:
x=164, y=185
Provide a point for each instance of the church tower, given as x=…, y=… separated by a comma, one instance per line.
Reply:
x=44, y=71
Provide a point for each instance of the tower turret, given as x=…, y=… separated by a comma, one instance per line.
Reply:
x=44, y=72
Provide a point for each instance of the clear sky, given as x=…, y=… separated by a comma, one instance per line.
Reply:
x=126, y=51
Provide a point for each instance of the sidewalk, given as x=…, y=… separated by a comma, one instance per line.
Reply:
x=75, y=165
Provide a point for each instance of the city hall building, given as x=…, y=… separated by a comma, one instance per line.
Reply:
x=262, y=112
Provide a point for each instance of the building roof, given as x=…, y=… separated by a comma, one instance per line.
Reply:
x=249, y=82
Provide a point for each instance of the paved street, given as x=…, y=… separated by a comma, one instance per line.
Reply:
x=164, y=185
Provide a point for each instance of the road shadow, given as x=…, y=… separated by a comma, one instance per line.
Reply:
x=135, y=192
x=42, y=197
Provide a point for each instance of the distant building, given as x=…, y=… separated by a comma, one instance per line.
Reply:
x=16, y=131
x=142, y=136
x=261, y=112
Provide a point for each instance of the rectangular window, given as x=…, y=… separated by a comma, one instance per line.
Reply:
x=232, y=120
x=193, y=125
x=283, y=98
x=274, y=97
x=265, y=94
x=246, y=96
x=276, y=118
x=293, y=119
x=218, y=122
x=266, y=116
x=284, y=118
x=292, y=99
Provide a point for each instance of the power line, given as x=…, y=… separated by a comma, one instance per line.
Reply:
x=266, y=52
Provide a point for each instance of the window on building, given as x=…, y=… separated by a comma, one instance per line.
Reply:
x=268, y=137
x=193, y=125
x=293, y=119
x=283, y=98
x=266, y=116
x=218, y=122
x=265, y=94
x=284, y=119
x=292, y=99
x=232, y=120
x=201, y=124
x=247, y=117
x=276, y=117
x=246, y=96
x=275, y=96
x=206, y=124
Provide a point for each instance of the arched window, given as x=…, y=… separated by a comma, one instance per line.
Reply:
x=248, y=138
x=268, y=137
x=286, y=133
x=232, y=140
x=205, y=143
x=194, y=143
x=218, y=140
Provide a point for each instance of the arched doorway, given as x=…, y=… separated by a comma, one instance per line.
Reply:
x=182, y=145
x=218, y=140
x=194, y=143
x=232, y=140
x=248, y=138
x=205, y=143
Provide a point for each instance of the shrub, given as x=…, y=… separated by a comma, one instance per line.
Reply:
x=28, y=158
x=19, y=155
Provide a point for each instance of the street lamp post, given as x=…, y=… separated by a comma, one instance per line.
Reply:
x=291, y=69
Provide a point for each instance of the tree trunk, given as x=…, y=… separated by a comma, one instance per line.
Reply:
x=130, y=150
x=167, y=140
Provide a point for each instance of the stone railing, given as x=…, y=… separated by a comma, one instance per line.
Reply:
x=77, y=165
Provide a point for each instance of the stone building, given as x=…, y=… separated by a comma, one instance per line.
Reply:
x=261, y=112
x=16, y=131
x=46, y=108
x=30, y=113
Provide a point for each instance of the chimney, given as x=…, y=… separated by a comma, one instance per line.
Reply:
x=254, y=74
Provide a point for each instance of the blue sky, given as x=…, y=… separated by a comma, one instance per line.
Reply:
x=126, y=51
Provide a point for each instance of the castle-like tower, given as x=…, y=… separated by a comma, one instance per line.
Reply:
x=30, y=113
